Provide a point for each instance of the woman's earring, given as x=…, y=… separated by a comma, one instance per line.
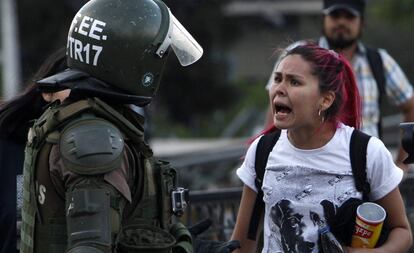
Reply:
x=322, y=117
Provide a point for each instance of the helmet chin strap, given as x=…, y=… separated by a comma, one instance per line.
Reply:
x=82, y=84
x=97, y=88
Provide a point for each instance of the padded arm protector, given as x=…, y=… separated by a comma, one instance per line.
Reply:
x=88, y=221
x=91, y=146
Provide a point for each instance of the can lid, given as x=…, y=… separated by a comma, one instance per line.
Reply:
x=371, y=213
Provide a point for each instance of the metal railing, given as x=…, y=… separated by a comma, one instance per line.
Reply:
x=221, y=206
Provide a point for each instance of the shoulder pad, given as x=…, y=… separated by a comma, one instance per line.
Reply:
x=91, y=146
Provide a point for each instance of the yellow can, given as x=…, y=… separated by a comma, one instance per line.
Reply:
x=369, y=220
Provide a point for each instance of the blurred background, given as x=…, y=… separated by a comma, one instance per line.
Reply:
x=222, y=96
x=204, y=114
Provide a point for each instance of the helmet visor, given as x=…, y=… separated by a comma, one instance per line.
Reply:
x=184, y=45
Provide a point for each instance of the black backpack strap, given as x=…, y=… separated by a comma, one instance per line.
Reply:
x=377, y=68
x=264, y=147
x=358, y=156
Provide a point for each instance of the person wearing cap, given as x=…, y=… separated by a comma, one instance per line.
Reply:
x=16, y=116
x=342, y=30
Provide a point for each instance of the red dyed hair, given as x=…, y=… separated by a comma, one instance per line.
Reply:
x=334, y=74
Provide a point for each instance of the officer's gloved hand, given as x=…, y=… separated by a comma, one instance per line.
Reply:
x=209, y=246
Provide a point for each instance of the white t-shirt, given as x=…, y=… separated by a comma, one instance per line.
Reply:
x=297, y=182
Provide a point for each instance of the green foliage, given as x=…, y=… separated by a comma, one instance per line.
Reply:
x=43, y=28
x=253, y=99
x=201, y=100
x=196, y=92
x=389, y=26
x=399, y=12
x=249, y=97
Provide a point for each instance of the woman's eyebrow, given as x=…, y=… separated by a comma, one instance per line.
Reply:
x=290, y=75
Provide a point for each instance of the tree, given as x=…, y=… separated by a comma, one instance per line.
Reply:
x=43, y=27
x=399, y=12
x=199, y=90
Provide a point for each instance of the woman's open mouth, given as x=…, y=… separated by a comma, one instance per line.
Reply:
x=282, y=109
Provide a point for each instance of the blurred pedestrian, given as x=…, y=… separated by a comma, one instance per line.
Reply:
x=16, y=117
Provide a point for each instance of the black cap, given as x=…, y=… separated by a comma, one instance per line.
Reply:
x=356, y=7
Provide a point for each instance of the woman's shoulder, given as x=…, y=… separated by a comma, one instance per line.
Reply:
x=344, y=132
x=375, y=145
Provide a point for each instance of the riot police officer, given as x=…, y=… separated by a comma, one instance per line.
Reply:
x=90, y=182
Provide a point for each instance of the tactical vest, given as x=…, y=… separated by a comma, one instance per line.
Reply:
x=146, y=221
